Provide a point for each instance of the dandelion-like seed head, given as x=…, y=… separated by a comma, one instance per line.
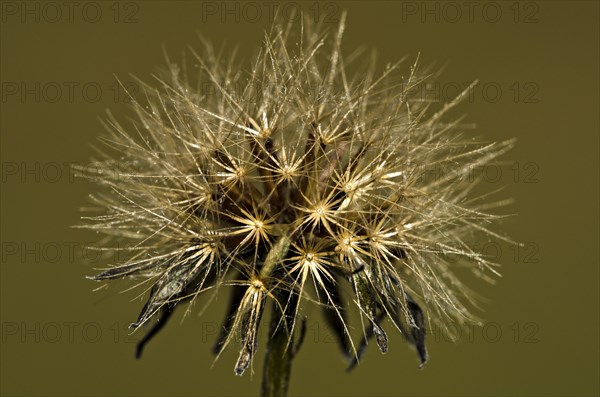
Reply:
x=287, y=181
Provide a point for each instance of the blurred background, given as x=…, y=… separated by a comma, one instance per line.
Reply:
x=537, y=66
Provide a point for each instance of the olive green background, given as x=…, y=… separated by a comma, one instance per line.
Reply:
x=542, y=330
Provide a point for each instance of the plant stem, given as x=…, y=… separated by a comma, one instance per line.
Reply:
x=278, y=359
x=279, y=355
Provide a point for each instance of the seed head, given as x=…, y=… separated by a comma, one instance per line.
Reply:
x=285, y=182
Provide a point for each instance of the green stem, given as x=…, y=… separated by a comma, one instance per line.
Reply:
x=278, y=359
